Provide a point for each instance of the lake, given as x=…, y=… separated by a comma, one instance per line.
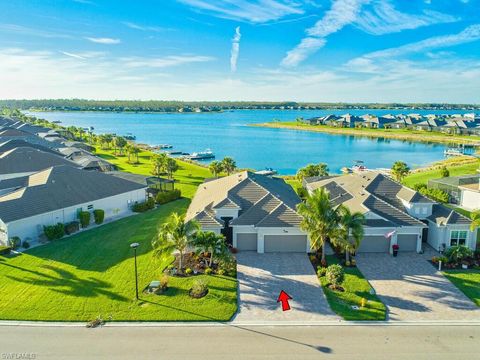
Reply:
x=228, y=134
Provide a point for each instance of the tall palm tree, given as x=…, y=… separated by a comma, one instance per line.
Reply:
x=475, y=216
x=215, y=168
x=128, y=150
x=350, y=232
x=175, y=234
x=229, y=165
x=320, y=219
x=208, y=241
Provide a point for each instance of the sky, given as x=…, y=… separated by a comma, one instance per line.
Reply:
x=262, y=50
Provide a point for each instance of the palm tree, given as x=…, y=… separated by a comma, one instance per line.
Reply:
x=215, y=168
x=136, y=151
x=159, y=164
x=170, y=167
x=400, y=170
x=320, y=219
x=229, y=165
x=475, y=216
x=208, y=241
x=174, y=234
x=350, y=233
x=128, y=150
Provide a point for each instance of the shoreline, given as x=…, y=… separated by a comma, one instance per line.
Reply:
x=414, y=136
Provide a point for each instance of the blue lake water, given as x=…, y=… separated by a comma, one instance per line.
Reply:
x=228, y=134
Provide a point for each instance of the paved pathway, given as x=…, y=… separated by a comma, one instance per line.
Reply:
x=413, y=289
x=262, y=277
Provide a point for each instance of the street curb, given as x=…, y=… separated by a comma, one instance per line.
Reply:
x=243, y=324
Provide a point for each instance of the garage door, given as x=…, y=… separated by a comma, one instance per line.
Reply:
x=374, y=244
x=247, y=242
x=407, y=242
x=285, y=243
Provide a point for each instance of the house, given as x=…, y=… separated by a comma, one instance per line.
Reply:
x=9, y=133
x=79, y=145
x=470, y=195
x=24, y=161
x=254, y=212
x=86, y=160
x=56, y=195
x=13, y=144
x=453, y=186
x=396, y=214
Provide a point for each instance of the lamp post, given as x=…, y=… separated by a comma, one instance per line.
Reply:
x=134, y=246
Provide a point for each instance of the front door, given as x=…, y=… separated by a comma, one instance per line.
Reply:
x=227, y=231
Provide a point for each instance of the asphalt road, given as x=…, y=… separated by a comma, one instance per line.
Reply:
x=241, y=342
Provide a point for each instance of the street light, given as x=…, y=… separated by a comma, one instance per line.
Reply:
x=134, y=246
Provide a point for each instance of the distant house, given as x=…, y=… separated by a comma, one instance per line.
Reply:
x=56, y=195
x=254, y=212
x=9, y=133
x=79, y=144
x=377, y=122
x=25, y=161
x=452, y=185
x=13, y=144
x=86, y=160
x=396, y=214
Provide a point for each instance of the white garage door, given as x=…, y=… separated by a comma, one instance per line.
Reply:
x=374, y=244
x=407, y=242
x=247, y=242
x=285, y=243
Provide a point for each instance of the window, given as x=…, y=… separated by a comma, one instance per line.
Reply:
x=458, y=238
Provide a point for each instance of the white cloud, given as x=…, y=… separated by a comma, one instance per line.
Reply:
x=341, y=13
x=23, y=30
x=382, y=18
x=255, y=11
x=103, y=40
x=235, y=50
x=136, y=26
x=163, y=62
x=469, y=34
x=75, y=56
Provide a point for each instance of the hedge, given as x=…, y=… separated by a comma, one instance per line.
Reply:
x=5, y=250
x=72, y=227
x=167, y=196
x=98, y=215
x=15, y=242
x=143, y=206
x=84, y=217
x=54, y=232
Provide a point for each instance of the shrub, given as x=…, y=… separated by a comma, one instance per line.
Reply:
x=188, y=271
x=302, y=192
x=15, y=242
x=321, y=271
x=164, y=282
x=54, y=232
x=444, y=172
x=25, y=244
x=98, y=215
x=435, y=194
x=208, y=271
x=353, y=262
x=143, y=206
x=348, y=263
x=84, y=217
x=335, y=274
x=72, y=227
x=458, y=253
x=5, y=250
x=199, y=289
x=221, y=272
x=164, y=197
x=227, y=264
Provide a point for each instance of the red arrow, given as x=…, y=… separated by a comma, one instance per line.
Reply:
x=283, y=298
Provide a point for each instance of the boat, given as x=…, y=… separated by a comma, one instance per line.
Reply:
x=454, y=152
x=202, y=155
x=130, y=136
x=267, y=172
x=176, y=152
x=359, y=166
x=162, y=146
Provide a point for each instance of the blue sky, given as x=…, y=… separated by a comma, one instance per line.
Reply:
x=310, y=50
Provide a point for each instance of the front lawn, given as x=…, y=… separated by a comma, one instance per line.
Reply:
x=356, y=287
x=187, y=178
x=91, y=274
x=468, y=281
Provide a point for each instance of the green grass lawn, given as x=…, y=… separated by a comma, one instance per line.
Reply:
x=91, y=274
x=468, y=281
x=188, y=177
x=356, y=287
x=422, y=177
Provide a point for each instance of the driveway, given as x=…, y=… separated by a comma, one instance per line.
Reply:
x=413, y=289
x=261, y=278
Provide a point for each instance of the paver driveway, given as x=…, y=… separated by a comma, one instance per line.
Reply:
x=413, y=289
x=261, y=278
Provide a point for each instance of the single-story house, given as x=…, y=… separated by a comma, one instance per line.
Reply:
x=254, y=212
x=79, y=144
x=18, y=143
x=453, y=186
x=396, y=214
x=86, y=160
x=470, y=195
x=57, y=195
x=24, y=161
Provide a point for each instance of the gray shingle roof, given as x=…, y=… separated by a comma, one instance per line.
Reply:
x=258, y=211
x=282, y=216
x=391, y=213
x=16, y=143
x=24, y=160
x=60, y=187
x=442, y=215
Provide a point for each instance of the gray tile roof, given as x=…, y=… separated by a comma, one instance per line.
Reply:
x=390, y=213
x=60, y=187
x=24, y=160
x=16, y=143
x=257, y=196
x=441, y=215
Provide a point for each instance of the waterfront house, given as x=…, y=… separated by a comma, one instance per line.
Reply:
x=396, y=214
x=56, y=195
x=18, y=143
x=254, y=212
